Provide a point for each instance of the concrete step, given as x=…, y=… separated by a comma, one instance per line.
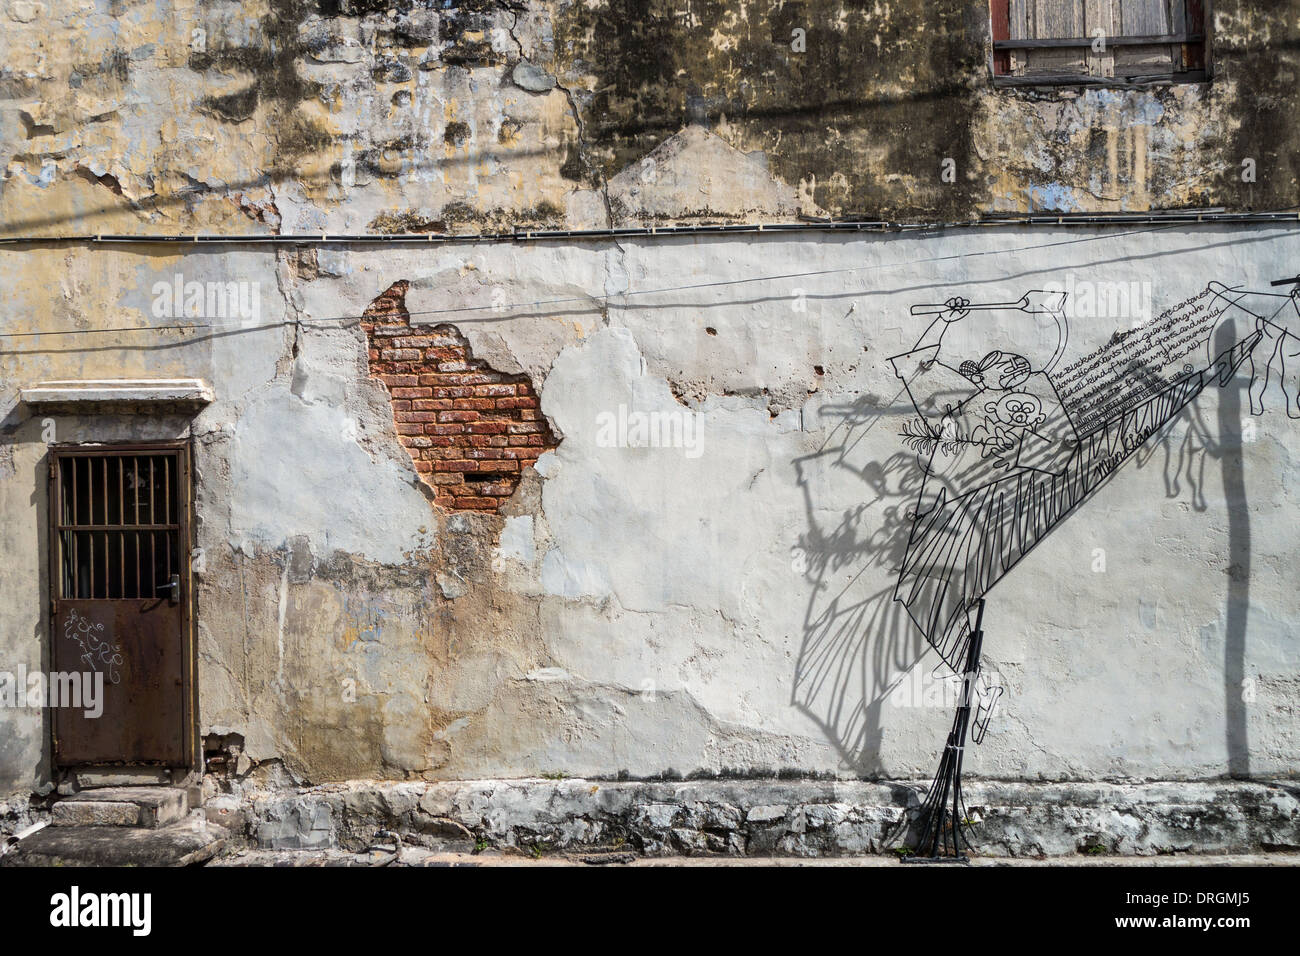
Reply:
x=94, y=778
x=184, y=843
x=146, y=807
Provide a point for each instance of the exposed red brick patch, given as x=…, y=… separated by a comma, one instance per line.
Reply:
x=469, y=429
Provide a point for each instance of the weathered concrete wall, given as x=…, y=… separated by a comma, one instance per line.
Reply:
x=723, y=606
x=414, y=116
x=718, y=607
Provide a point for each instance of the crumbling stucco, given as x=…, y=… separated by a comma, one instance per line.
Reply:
x=471, y=430
x=300, y=117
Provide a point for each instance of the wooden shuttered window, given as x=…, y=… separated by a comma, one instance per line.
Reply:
x=1098, y=40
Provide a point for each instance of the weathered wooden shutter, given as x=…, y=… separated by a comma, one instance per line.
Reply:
x=1048, y=20
x=1095, y=38
x=1147, y=18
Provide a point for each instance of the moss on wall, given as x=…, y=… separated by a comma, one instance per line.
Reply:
x=481, y=113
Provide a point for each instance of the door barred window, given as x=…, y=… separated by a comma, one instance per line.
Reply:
x=118, y=525
x=120, y=611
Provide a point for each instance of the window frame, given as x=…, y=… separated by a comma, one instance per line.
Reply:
x=1193, y=42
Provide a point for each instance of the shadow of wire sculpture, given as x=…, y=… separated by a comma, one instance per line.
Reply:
x=1005, y=459
x=854, y=634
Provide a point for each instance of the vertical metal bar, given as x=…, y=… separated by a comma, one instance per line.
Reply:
x=73, y=462
x=56, y=544
x=138, y=589
x=90, y=545
x=153, y=518
x=167, y=489
x=90, y=463
x=185, y=567
x=121, y=519
x=135, y=491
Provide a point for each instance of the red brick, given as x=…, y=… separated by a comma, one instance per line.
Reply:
x=489, y=504
x=439, y=340
x=486, y=464
x=457, y=418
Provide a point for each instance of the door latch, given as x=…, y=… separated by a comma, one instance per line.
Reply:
x=174, y=586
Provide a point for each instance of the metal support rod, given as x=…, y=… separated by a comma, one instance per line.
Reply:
x=943, y=813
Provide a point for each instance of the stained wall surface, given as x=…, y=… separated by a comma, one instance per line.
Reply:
x=350, y=116
x=722, y=602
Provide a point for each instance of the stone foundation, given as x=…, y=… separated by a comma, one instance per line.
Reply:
x=767, y=817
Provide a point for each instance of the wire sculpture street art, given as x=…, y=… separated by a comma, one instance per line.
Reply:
x=1012, y=440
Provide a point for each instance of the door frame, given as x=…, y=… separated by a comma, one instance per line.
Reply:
x=184, y=449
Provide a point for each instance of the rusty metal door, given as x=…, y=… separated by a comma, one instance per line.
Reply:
x=120, y=602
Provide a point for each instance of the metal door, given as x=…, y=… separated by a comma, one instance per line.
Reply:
x=120, y=607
